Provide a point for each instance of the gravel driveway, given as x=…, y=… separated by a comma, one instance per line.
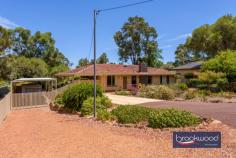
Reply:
x=40, y=133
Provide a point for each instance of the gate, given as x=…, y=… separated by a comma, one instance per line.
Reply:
x=23, y=100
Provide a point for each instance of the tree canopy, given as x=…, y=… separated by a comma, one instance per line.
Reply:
x=83, y=62
x=25, y=67
x=224, y=62
x=137, y=41
x=19, y=45
x=5, y=41
x=103, y=59
x=209, y=40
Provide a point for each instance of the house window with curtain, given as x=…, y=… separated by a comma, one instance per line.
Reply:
x=110, y=80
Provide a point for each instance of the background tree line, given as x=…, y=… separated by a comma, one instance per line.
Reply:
x=23, y=54
x=207, y=41
x=102, y=59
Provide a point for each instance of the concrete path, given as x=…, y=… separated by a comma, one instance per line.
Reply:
x=225, y=112
x=124, y=100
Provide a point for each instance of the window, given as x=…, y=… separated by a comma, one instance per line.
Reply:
x=160, y=79
x=149, y=79
x=133, y=81
x=168, y=79
x=111, y=80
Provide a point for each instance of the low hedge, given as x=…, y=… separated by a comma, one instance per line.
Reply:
x=182, y=86
x=74, y=96
x=58, y=99
x=190, y=94
x=172, y=118
x=156, y=118
x=102, y=102
x=104, y=115
x=131, y=114
x=157, y=92
x=194, y=83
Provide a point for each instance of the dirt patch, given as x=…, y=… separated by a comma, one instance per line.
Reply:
x=43, y=133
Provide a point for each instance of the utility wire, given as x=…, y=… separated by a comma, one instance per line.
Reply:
x=124, y=6
x=91, y=44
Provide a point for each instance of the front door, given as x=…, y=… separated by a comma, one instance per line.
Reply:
x=124, y=82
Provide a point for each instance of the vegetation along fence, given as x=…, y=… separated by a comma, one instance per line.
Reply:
x=3, y=91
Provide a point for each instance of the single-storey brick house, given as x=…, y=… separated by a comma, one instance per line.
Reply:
x=117, y=76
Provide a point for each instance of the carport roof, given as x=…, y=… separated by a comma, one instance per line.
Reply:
x=33, y=79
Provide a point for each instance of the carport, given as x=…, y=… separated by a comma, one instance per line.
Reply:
x=31, y=91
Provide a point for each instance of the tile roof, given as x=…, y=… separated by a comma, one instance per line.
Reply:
x=114, y=69
x=192, y=65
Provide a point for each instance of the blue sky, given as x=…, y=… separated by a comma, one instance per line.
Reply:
x=71, y=21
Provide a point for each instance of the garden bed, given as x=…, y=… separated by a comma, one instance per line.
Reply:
x=180, y=92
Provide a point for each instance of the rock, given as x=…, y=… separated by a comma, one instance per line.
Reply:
x=215, y=100
x=216, y=122
x=179, y=99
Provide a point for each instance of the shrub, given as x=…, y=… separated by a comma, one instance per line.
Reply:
x=194, y=82
x=202, y=86
x=223, y=62
x=222, y=83
x=156, y=118
x=189, y=75
x=210, y=77
x=2, y=83
x=172, y=118
x=190, y=94
x=74, y=96
x=125, y=93
x=101, y=103
x=58, y=99
x=104, y=115
x=158, y=92
x=215, y=88
x=131, y=113
x=164, y=92
x=227, y=95
x=202, y=94
x=182, y=86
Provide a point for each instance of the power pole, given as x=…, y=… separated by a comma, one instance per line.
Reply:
x=95, y=13
x=94, y=63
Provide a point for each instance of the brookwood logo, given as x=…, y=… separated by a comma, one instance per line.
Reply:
x=196, y=139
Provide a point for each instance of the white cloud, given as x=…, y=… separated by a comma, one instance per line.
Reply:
x=179, y=37
x=4, y=22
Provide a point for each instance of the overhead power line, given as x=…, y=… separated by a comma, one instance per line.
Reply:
x=91, y=44
x=123, y=6
x=95, y=13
